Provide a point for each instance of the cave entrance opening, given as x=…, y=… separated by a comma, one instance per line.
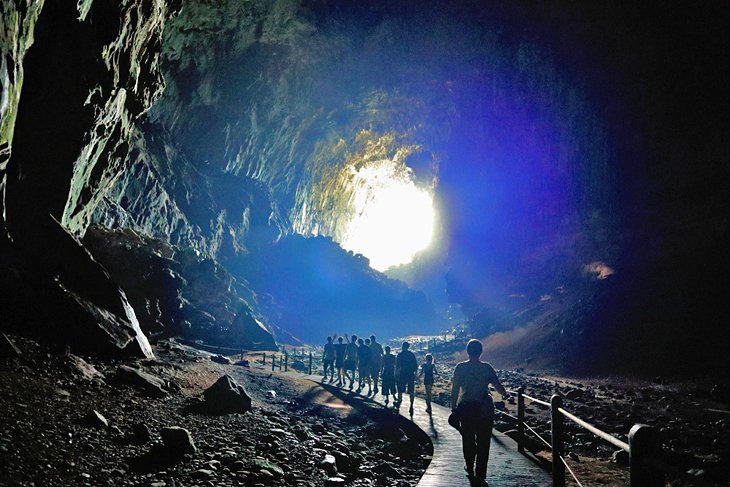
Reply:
x=392, y=217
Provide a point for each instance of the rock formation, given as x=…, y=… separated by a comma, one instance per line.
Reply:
x=230, y=130
x=92, y=72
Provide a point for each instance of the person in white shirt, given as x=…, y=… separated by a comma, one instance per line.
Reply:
x=473, y=409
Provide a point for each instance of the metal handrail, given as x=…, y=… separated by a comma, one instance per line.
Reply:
x=643, y=446
x=601, y=434
x=533, y=399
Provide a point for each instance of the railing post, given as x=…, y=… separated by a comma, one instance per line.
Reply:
x=645, y=448
x=281, y=363
x=310, y=363
x=556, y=418
x=273, y=362
x=521, y=420
x=286, y=361
x=263, y=354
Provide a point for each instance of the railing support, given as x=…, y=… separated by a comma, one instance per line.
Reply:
x=273, y=362
x=645, y=448
x=521, y=420
x=263, y=358
x=281, y=363
x=556, y=402
x=310, y=363
x=286, y=361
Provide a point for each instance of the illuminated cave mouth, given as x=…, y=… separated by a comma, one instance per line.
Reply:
x=392, y=219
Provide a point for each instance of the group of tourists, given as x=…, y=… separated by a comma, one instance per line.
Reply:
x=366, y=360
x=472, y=407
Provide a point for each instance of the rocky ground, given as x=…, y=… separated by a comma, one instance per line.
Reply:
x=67, y=420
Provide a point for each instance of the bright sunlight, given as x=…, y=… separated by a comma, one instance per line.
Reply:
x=392, y=218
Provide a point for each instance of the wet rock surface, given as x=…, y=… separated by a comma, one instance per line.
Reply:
x=286, y=439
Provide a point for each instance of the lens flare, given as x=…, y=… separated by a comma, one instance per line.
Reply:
x=392, y=219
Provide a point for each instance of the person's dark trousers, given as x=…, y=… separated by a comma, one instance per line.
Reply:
x=476, y=435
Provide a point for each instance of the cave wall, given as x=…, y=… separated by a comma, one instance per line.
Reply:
x=572, y=133
x=91, y=73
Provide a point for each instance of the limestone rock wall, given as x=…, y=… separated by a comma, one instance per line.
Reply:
x=16, y=36
x=91, y=73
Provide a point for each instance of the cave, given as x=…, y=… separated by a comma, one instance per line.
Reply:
x=240, y=177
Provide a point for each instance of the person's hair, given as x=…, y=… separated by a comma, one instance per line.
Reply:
x=329, y=339
x=387, y=349
x=405, y=345
x=367, y=341
x=359, y=340
x=429, y=357
x=474, y=348
x=354, y=338
x=372, y=338
x=340, y=339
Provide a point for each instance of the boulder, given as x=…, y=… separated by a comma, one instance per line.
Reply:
x=82, y=368
x=342, y=461
x=227, y=396
x=177, y=440
x=263, y=465
x=386, y=469
x=221, y=359
x=148, y=383
x=329, y=465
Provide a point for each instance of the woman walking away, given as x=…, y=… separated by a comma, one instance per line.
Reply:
x=328, y=358
x=473, y=410
x=388, y=375
x=427, y=370
x=406, y=367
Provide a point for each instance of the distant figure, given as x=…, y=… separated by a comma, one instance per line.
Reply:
x=376, y=358
x=363, y=364
x=406, y=367
x=340, y=359
x=427, y=370
x=388, y=371
x=473, y=409
x=328, y=358
x=351, y=360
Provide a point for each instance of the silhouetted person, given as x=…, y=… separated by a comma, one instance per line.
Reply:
x=376, y=357
x=473, y=409
x=351, y=360
x=406, y=367
x=388, y=373
x=328, y=359
x=364, y=363
x=340, y=359
x=427, y=370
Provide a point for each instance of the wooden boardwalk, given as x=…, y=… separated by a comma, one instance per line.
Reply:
x=507, y=467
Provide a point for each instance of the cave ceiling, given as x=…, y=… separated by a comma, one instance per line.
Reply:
x=554, y=139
